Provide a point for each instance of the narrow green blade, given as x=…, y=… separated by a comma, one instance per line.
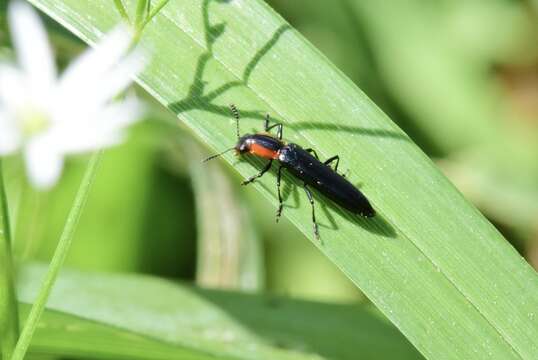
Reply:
x=63, y=334
x=120, y=309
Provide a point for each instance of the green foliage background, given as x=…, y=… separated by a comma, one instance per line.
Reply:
x=462, y=87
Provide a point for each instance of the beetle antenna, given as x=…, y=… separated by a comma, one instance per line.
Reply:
x=217, y=155
x=235, y=114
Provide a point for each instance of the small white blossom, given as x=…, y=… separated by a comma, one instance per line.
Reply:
x=46, y=117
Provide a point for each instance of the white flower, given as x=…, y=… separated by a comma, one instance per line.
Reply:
x=46, y=117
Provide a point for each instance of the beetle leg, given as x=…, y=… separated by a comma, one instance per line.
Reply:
x=311, y=199
x=258, y=175
x=279, y=211
x=330, y=160
x=312, y=151
x=278, y=126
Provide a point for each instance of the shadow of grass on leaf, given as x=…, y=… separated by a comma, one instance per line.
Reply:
x=198, y=99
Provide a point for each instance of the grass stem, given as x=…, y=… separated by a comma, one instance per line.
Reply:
x=58, y=258
x=9, y=319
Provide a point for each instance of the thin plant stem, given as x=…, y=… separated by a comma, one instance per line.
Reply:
x=155, y=11
x=9, y=317
x=144, y=14
x=141, y=13
x=58, y=258
x=123, y=12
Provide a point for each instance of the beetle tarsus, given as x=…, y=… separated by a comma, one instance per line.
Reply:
x=311, y=199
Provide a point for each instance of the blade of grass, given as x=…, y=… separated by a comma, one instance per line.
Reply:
x=66, y=335
x=9, y=321
x=142, y=7
x=154, y=12
x=58, y=259
x=219, y=323
x=430, y=261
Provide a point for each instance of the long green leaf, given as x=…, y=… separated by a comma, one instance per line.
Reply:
x=61, y=334
x=217, y=323
x=430, y=261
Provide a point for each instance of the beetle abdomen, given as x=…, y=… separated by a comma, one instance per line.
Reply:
x=324, y=179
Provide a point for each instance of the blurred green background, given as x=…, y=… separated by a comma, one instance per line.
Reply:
x=460, y=77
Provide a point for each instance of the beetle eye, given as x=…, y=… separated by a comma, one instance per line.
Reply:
x=241, y=148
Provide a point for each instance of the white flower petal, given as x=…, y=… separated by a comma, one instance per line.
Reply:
x=90, y=67
x=93, y=96
x=13, y=92
x=43, y=163
x=115, y=80
x=9, y=135
x=121, y=113
x=97, y=76
x=32, y=47
x=104, y=129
